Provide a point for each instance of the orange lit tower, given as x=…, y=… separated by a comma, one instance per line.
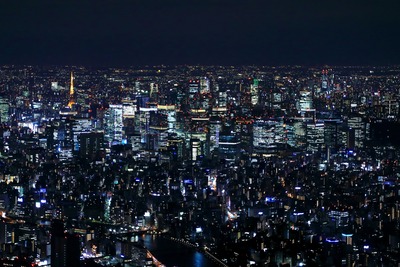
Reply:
x=71, y=92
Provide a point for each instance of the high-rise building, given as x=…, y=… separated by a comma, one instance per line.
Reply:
x=4, y=110
x=58, y=245
x=290, y=134
x=143, y=120
x=305, y=102
x=6, y=233
x=331, y=132
x=215, y=127
x=159, y=128
x=194, y=94
x=229, y=147
x=153, y=90
x=113, y=124
x=254, y=92
x=65, y=248
x=79, y=126
x=195, y=149
x=299, y=127
x=222, y=97
x=91, y=145
x=64, y=138
x=204, y=85
x=263, y=133
x=170, y=112
x=315, y=136
x=357, y=125
x=324, y=81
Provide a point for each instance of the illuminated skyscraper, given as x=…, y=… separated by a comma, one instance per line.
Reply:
x=305, y=102
x=357, y=125
x=64, y=138
x=4, y=107
x=331, y=132
x=315, y=136
x=215, y=126
x=153, y=90
x=91, y=145
x=229, y=147
x=204, y=85
x=80, y=126
x=113, y=124
x=324, y=81
x=195, y=149
x=254, y=90
x=263, y=133
x=170, y=112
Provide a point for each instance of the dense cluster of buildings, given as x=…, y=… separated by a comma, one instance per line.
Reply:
x=258, y=166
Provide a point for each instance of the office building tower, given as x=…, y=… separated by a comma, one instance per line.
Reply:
x=222, y=98
x=324, y=81
x=158, y=129
x=64, y=138
x=154, y=91
x=170, y=112
x=80, y=126
x=134, y=140
x=113, y=125
x=277, y=100
x=143, y=123
x=290, y=134
x=351, y=138
x=229, y=147
x=263, y=133
x=65, y=247
x=315, y=136
x=91, y=145
x=193, y=97
x=195, y=149
x=204, y=85
x=299, y=126
x=6, y=232
x=357, y=125
x=254, y=92
x=4, y=110
x=58, y=245
x=305, y=102
x=215, y=126
x=331, y=133
x=280, y=132
x=176, y=147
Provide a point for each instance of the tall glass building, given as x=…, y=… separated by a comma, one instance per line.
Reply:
x=113, y=124
x=4, y=110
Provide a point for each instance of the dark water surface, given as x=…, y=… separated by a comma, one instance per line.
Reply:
x=172, y=253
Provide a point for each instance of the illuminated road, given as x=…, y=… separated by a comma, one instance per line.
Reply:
x=155, y=261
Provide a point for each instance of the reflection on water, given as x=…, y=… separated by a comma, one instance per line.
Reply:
x=198, y=259
x=171, y=253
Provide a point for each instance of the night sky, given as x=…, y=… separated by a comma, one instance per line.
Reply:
x=148, y=32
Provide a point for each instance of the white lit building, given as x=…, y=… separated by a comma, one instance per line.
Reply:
x=113, y=124
x=315, y=136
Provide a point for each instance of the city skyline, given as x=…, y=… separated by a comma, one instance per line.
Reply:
x=125, y=33
x=227, y=166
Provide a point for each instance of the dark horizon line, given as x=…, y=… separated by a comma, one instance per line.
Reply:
x=304, y=65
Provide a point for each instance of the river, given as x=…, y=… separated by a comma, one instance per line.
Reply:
x=172, y=253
